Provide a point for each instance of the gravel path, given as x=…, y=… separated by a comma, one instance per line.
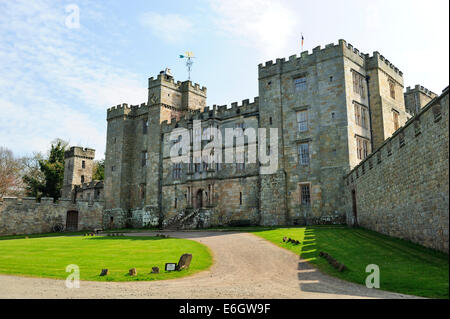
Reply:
x=245, y=266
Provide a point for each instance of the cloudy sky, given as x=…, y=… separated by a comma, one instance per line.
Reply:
x=57, y=79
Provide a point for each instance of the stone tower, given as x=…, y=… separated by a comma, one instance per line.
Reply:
x=417, y=98
x=78, y=165
x=331, y=107
x=133, y=149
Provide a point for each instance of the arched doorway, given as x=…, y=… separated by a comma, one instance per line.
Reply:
x=72, y=220
x=199, y=199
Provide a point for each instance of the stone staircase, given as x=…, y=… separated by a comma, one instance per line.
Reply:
x=185, y=219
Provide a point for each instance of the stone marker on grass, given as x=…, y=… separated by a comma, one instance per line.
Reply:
x=104, y=272
x=155, y=270
x=132, y=272
x=184, y=262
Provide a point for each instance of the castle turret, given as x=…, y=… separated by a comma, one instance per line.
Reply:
x=78, y=165
x=417, y=97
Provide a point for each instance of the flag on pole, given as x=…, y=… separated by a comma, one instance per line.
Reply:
x=303, y=39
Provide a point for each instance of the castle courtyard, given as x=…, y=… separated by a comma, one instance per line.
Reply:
x=245, y=267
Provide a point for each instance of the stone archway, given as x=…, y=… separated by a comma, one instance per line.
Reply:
x=199, y=199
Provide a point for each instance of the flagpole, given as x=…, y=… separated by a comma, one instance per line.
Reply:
x=302, y=41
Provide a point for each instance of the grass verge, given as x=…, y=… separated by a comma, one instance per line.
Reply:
x=404, y=266
x=49, y=257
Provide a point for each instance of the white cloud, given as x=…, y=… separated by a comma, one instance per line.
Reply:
x=170, y=27
x=56, y=81
x=268, y=26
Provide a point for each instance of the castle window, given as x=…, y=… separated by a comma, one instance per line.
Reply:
x=240, y=198
x=197, y=163
x=270, y=120
x=176, y=171
x=82, y=179
x=143, y=190
x=144, y=126
x=240, y=129
x=240, y=161
x=395, y=119
x=83, y=164
x=392, y=89
x=197, y=135
x=358, y=84
x=305, y=194
x=206, y=133
x=300, y=84
x=302, y=121
x=379, y=157
x=362, y=147
x=144, y=158
x=176, y=202
x=303, y=153
x=112, y=168
x=361, y=115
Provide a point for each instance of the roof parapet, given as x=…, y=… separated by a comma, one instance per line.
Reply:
x=212, y=112
x=422, y=89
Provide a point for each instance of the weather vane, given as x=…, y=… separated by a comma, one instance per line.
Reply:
x=188, y=56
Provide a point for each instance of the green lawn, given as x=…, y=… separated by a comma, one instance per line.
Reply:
x=49, y=256
x=404, y=267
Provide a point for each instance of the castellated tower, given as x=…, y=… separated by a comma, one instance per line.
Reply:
x=332, y=107
x=417, y=97
x=78, y=165
x=133, y=146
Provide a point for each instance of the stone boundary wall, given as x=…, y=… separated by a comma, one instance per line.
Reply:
x=402, y=188
x=27, y=216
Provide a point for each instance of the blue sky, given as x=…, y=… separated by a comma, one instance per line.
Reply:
x=57, y=81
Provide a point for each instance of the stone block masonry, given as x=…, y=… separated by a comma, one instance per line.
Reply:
x=401, y=189
x=27, y=216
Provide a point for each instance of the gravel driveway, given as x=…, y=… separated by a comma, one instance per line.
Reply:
x=245, y=266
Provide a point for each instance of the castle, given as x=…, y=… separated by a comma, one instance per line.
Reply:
x=332, y=109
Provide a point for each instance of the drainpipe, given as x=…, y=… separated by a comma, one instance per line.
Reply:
x=370, y=114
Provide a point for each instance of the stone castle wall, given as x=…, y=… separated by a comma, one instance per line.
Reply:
x=27, y=216
x=401, y=189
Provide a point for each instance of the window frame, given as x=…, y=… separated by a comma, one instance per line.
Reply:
x=302, y=155
x=303, y=124
x=301, y=193
x=300, y=83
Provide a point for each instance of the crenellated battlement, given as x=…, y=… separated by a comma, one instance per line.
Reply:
x=420, y=88
x=62, y=202
x=78, y=151
x=342, y=48
x=218, y=112
x=379, y=60
x=168, y=80
x=125, y=110
x=307, y=56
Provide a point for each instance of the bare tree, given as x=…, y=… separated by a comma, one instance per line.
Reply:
x=10, y=174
